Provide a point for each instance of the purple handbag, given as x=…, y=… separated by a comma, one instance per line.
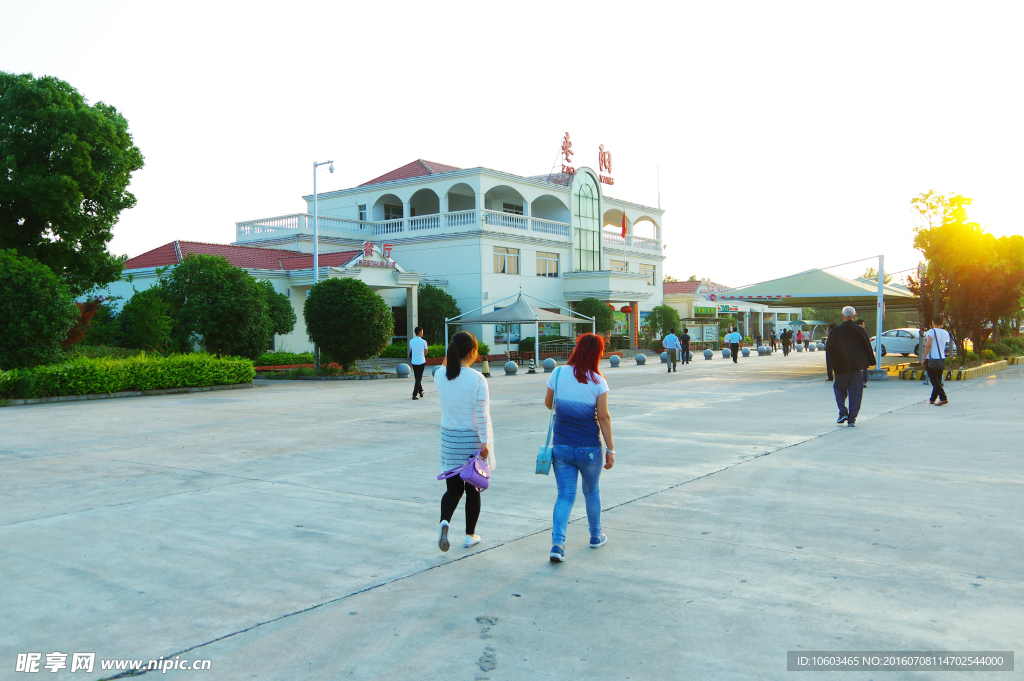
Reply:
x=475, y=471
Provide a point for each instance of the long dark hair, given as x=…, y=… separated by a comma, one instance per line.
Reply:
x=462, y=344
x=586, y=357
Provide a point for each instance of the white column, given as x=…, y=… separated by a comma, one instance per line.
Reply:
x=881, y=309
x=412, y=312
x=405, y=210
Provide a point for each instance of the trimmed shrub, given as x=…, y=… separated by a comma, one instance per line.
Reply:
x=988, y=355
x=434, y=305
x=434, y=351
x=483, y=349
x=85, y=376
x=347, y=320
x=36, y=312
x=395, y=351
x=276, y=359
x=603, y=315
x=96, y=351
x=146, y=322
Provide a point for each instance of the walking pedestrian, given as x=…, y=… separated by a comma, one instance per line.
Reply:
x=921, y=335
x=861, y=324
x=671, y=345
x=733, y=339
x=418, y=359
x=849, y=351
x=785, y=339
x=828, y=360
x=799, y=336
x=935, y=345
x=773, y=340
x=684, y=342
x=581, y=412
x=465, y=428
x=807, y=340
x=757, y=339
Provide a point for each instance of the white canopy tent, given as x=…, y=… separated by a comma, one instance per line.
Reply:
x=519, y=312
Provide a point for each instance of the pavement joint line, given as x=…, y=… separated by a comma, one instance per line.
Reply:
x=132, y=673
x=972, y=575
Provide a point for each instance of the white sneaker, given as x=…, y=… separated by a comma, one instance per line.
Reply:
x=442, y=536
x=471, y=540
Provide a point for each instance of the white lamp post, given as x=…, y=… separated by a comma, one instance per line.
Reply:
x=316, y=248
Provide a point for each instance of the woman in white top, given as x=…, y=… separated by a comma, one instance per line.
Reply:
x=935, y=355
x=465, y=428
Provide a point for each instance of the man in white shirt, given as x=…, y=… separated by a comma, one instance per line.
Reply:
x=418, y=358
x=733, y=339
x=935, y=344
x=672, y=346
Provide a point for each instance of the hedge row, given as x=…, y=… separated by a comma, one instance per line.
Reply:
x=276, y=359
x=87, y=376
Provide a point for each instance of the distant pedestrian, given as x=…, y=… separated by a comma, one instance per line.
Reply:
x=935, y=345
x=849, y=351
x=465, y=428
x=773, y=339
x=861, y=324
x=418, y=359
x=684, y=342
x=581, y=412
x=828, y=360
x=786, y=338
x=799, y=336
x=733, y=339
x=757, y=339
x=807, y=340
x=672, y=347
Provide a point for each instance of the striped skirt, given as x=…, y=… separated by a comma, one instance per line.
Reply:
x=457, y=445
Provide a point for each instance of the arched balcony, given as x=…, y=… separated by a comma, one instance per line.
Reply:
x=389, y=215
x=424, y=210
x=461, y=206
x=506, y=207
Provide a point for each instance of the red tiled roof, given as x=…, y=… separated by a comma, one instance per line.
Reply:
x=245, y=257
x=418, y=168
x=680, y=286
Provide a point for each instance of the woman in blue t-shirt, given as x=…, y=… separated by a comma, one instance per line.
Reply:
x=580, y=412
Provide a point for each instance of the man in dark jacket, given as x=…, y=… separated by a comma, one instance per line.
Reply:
x=848, y=352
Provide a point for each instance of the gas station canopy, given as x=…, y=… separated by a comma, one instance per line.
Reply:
x=818, y=288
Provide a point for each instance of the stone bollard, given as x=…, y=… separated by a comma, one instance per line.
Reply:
x=533, y=367
x=821, y=346
x=746, y=352
x=436, y=369
x=613, y=360
x=664, y=358
x=549, y=365
x=486, y=368
x=709, y=354
x=799, y=347
x=511, y=368
x=726, y=353
x=641, y=359
x=402, y=370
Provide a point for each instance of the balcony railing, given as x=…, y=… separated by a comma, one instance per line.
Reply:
x=462, y=218
x=549, y=227
x=301, y=221
x=389, y=227
x=424, y=222
x=509, y=220
x=638, y=242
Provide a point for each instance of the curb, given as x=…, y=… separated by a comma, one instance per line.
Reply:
x=956, y=374
x=127, y=393
x=329, y=378
x=1014, y=360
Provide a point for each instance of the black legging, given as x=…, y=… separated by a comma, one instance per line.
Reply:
x=450, y=501
x=935, y=376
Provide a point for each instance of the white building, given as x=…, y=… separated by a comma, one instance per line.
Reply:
x=483, y=235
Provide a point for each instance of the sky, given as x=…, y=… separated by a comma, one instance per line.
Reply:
x=784, y=136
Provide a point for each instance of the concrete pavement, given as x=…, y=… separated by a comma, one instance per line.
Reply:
x=289, y=531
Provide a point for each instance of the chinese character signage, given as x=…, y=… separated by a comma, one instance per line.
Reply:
x=604, y=164
x=567, y=154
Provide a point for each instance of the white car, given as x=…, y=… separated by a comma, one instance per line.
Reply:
x=903, y=341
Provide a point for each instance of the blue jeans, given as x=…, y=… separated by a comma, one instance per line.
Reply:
x=567, y=462
x=852, y=386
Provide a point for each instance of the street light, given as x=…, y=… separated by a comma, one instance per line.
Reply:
x=316, y=248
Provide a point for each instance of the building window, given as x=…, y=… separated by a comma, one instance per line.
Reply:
x=547, y=264
x=618, y=266
x=392, y=212
x=511, y=208
x=362, y=212
x=649, y=271
x=506, y=260
x=587, y=232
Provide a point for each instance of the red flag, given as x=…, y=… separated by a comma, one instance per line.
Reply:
x=623, y=225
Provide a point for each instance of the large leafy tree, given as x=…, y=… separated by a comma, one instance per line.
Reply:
x=65, y=166
x=661, y=320
x=435, y=305
x=36, y=312
x=217, y=305
x=146, y=322
x=282, y=314
x=603, y=315
x=347, y=320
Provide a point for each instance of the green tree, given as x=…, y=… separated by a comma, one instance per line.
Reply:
x=348, y=321
x=668, y=278
x=661, y=320
x=435, y=305
x=105, y=328
x=603, y=315
x=872, y=274
x=282, y=314
x=146, y=322
x=217, y=305
x=36, y=312
x=693, y=277
x=66, y=166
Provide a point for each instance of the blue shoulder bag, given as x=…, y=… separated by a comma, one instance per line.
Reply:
x=546, y=450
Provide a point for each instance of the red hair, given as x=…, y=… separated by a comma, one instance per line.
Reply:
x=586, y=357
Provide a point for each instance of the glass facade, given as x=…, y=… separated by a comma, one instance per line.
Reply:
x=587, y=227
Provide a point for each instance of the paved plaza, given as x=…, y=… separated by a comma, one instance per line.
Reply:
x=289, y=531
